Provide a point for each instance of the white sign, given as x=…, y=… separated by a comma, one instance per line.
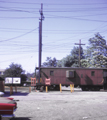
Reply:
x=16, y=80
x=8, y=80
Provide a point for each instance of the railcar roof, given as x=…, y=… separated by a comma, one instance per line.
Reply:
x=70, y=68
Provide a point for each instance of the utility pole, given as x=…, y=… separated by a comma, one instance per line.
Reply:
x=40, y=38
x=79, y=50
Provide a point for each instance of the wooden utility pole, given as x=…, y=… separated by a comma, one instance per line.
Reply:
x=40, y=38
x=79, y=50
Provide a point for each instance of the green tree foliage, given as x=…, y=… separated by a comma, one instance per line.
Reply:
x=29, y=75
x=14, y=70
x=50, y=62
x=71, y=60
x=75, y=56
x=23, y=78
x=65, y=62
x=96, y=53
x=98, y=44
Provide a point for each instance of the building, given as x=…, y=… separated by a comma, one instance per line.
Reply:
x=2, y=71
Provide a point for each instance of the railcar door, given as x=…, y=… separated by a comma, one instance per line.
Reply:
x=105, y=80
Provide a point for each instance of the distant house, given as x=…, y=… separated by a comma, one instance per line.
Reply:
x=2, y=71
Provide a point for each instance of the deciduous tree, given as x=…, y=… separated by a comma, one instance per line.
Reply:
x=96, y=53
x=50, y=62
x=14, y=70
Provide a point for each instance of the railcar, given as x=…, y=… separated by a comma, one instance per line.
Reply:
x=85, y=78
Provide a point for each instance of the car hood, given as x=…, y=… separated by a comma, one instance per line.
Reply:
x=6, y=100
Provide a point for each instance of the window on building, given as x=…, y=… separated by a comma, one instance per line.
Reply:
x=52, y=73
x=92, y=73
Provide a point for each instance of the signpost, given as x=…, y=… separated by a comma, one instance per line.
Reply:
x=47, y=82
x=12, y=81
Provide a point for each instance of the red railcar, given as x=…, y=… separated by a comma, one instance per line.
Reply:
x=86, y=78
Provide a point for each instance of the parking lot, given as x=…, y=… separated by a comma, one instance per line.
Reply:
x=55, y=105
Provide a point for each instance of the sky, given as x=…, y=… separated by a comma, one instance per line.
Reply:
x=65, y=23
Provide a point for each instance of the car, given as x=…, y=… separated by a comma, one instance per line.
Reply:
x=7, y=107
x=1, y=94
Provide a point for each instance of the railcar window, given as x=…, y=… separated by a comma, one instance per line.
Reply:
x=92, y=73
x=51, y=73
x=71, y=73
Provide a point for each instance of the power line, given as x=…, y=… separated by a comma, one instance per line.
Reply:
x=55, y=3
x=19, y=36
x=15, y=10
x=18, y=17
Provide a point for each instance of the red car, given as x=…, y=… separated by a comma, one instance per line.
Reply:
x=7, y=107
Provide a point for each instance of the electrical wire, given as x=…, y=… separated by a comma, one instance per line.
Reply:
x=56, y=47
x=19, y=36
x=94, y=3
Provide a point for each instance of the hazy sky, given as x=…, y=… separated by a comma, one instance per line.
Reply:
x=65, y=23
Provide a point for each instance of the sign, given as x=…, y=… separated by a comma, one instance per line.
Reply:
x=47, y=81
x=33, y=81
x=16, y=80
x=8, y=80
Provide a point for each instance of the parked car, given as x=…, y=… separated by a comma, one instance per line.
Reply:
x=7, y=107
x=1, y=94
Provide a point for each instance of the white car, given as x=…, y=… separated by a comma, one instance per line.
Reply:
x=1, y=94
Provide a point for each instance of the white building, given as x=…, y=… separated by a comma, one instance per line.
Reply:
x=2, y=71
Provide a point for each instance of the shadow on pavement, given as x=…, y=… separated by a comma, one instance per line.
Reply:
x=21, y=118
x=7, y=94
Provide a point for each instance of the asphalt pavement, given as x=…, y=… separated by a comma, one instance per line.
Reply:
x=56, y=105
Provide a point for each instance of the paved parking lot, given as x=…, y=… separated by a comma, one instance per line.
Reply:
x=61, y=106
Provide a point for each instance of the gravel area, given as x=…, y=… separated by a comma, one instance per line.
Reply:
x=61, y=106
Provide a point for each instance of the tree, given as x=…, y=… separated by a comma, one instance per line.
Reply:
x=66, y=61
x=50, y=62
x=29, y=75
x=98, y=44
x=96, y=53
x=23, y=78
x=75, y=56
x=71, y=60
x=14, y=70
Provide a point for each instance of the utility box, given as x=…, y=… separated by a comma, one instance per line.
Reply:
x=70, y=73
